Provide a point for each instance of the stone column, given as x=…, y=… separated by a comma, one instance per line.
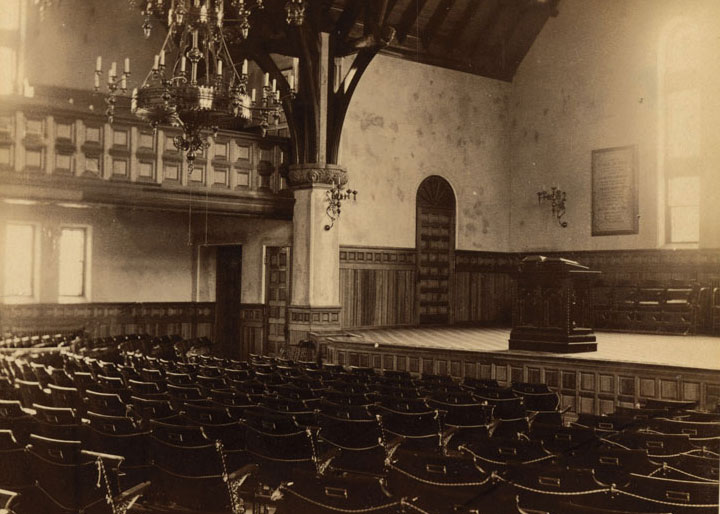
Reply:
x=315, y=295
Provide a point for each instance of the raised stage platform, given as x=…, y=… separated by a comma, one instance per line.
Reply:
x=626, y=369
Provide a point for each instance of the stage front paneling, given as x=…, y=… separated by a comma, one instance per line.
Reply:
x=586, y=385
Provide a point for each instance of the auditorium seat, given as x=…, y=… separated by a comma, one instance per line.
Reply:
x=60, y=377
x=67, y=476
x=697, y=430
x=31, y=392
x=191, y=475
x=497, y=454
x=506, y=404
x=564, y=440
x=543, y=480
x=678, y=496
x=612, y=465
x=177, y=430
x=466, y=422
x=510, y=428
x=277, y=449
x=553, y=505
x=105, y=403
x=14, y=468
x=355, y=441
x=418, y=429
x=147, y=409
x=14, y=418
x=146, y=389
x=446, y=481
x=41, y=374
x=216, y=423
x=119, y=435
x=656, y=444
x=690, y=466
x=605, y=424
x=83, y=380
x=58, y=423
x=308, y=492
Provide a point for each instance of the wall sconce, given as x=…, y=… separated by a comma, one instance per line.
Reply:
x=557, y=202
x=334, y=198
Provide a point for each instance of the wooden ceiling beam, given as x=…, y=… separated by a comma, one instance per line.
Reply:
x=493, y=53
x=348, y=19
x=409, y=17
x=482, y=30
x=527, y=30
x=436, y=20
x=389, y=10
x=468, y=14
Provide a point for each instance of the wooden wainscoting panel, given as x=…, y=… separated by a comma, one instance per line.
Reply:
x=187, y=319
x=377, y=286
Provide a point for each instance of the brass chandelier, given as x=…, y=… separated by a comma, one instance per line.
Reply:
x=194, y=83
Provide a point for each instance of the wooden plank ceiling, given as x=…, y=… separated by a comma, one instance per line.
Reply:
x=483, y=37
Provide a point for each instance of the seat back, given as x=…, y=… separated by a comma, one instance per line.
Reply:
x=105, y=403
x=178, y=434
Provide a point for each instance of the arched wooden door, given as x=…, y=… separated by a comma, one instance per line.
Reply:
x=435, y=244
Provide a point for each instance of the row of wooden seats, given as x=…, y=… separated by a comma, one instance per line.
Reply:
x=331, y=444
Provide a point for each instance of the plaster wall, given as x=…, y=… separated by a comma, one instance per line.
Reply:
x=589, y=82
x=151, y=256
x=408, y=121
x=253, y=234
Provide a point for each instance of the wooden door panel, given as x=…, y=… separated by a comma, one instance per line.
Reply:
x=435, y=245
x=277, y=295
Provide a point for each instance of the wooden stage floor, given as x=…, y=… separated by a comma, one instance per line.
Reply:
x=695, y=352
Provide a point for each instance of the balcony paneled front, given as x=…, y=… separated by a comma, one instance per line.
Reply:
x=58, y=146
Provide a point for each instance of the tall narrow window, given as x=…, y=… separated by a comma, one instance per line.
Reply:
x=682, y=134
x=683, y=206
x=10, y=15
x=73, y=263
x=8, y=65
x=20, y=257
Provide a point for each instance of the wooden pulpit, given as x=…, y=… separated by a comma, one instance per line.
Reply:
x=552, y=309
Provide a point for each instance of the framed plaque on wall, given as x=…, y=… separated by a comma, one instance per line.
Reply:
x=614, y=191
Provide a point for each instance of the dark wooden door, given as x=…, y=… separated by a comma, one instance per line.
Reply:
x=228, y=331
x=277, y=295
x=435, y=244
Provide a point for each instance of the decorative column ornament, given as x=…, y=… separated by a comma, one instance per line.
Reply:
x=303, y=176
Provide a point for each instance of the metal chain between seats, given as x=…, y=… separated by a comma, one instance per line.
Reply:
x=504, y=463
x=270, y=434
x=689, y=453
x=553, y=493
x=665, y=466
x=406, y=503
x=120, y=507
x=340, y=509
x=236, y=502
x=440, y=484
x=277, y=459
x=360, y=449
x=663, y=502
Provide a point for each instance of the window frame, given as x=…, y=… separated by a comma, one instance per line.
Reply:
x=672, y=81
x=36, y=268
x=85, y=297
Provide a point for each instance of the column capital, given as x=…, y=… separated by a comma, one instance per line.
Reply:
x=304, y=176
